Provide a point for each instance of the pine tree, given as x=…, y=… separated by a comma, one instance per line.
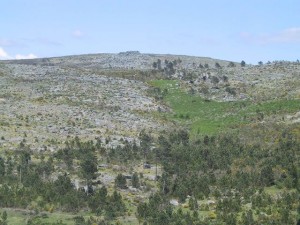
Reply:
x=120, y=181
x=135, y=180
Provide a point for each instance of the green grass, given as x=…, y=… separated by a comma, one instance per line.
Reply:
x=19, y=217
x=210, y=117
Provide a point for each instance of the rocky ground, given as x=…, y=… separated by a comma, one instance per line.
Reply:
x=47, y=104
x=48, y=100
x=277, y=80
x=122, y=60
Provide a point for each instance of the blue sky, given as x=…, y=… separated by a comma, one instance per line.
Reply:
x=256, y=30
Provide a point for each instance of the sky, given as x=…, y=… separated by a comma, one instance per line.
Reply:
x=235, y=30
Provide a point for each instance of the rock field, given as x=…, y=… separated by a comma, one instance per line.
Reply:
x=47, y=104
x=49, y=100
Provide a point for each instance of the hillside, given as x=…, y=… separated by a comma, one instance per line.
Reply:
x=122, y=60
x=122, y=138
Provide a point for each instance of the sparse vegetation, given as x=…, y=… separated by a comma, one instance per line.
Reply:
x=149, y=139
x=211, y=117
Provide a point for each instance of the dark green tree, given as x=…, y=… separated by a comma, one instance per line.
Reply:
x=3, y=220
x=116, y=206
x=193, y=204
x=159, y=64
x=89, y=166
x=98, y=201
x=267, y=175
x=154, y=65
x=145, y=142
x=120, y=181
x=2, y=167
x=215, y=80
x=135, y=181
x=217, y=65
x=63, y=185
x=10, y=165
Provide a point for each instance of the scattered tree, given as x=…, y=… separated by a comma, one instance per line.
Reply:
x=231, y=64
x=135, y=180
x=154, y=65
x=120, y=181
x=217, y=65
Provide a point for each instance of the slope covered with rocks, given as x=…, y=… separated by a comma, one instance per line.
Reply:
x=55, y=98
x=52, y=103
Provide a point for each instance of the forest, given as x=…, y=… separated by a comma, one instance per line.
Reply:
x=243, y=184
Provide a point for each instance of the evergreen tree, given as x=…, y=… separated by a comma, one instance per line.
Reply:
x=3, y=220
x=135, y=180
x=2, y=167
x=120, y=181
x=89, y=166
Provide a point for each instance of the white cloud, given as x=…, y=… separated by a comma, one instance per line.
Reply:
x=29, y=56
x=290, y=35
x=77, y=33
x=3, y=54
x=287, y=36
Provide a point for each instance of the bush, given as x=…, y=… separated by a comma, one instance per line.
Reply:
x=231, y=64
x=230, y=91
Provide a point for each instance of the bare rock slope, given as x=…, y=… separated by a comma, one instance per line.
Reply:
x=47, y=104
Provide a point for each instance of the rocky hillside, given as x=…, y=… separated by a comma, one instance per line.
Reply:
x=104, y=136
x=51, y=99
x=276, y=80
x=122, y=60
x=211, y=78
x=47, y=104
